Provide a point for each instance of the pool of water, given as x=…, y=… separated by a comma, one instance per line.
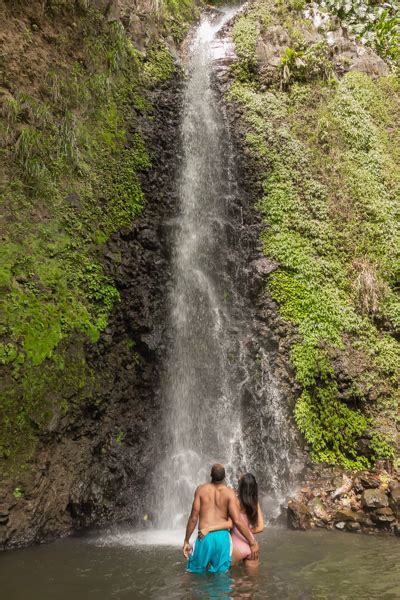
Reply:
x=128, y=565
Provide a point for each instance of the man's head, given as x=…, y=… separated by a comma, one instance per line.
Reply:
x=217, y=473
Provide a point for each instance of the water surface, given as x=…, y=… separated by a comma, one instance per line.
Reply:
x=317, y=565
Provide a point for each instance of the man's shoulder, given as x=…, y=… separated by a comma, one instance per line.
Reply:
x=200, y=488
x=205, y=487
x=229, y=492
x=226, y=491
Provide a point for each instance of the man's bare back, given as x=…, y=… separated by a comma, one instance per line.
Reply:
x=213, y=503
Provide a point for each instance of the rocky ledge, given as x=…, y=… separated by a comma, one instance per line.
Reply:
x=358, y=502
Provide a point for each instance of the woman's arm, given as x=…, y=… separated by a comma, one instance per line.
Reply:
x=222, y=524
x=260, y=521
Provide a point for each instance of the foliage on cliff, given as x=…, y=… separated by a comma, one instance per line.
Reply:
x=72, y=150
x=377, y=24
x=326, y=150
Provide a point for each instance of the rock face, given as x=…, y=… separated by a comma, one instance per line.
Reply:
x=331, y=498
x=318, y=510
x=368, y=503
x=298, y=515
x=344, y=51
x=394, y=500
x=375, y=498
x=93, y=464
x=109, y=8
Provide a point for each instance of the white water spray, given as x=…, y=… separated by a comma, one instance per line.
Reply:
x=203, y=418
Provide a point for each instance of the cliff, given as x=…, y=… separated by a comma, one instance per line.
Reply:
x=314, y=100
x=90, y=95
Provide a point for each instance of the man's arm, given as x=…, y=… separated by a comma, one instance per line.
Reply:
x=191, y=524
x=234, y=513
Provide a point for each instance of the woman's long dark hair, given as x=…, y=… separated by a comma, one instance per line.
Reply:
x=248, y=496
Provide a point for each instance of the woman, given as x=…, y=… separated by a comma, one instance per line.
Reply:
x=252, y=516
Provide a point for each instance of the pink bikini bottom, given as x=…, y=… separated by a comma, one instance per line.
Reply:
x=240, y=543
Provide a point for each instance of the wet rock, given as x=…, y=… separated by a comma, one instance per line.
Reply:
x=383, y=516
x=267, y=55
x=374, y=498
x=298, y=515
x=265, y=266
x=394, y=500
x=364, y=445
x=149, y=238
x=346, y=514
x=317, y=508
x=339, y=41
x=384, y=511
x=348, y=509
x=223, y=54
x=345, y=487
x=270, y=47
x=4, y=517
x=368, y=480
x=336, y=482
x=371, y=64
x=357, y=485
x=109, y=8
x=353, y=527
x=74, y=200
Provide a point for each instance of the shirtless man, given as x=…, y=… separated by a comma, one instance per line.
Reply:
x=214, y=506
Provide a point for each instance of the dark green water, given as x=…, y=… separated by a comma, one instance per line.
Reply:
x=295, y=566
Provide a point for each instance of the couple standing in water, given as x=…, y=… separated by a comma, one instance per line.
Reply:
x=227, y=524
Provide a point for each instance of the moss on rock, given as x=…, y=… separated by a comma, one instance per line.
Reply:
x=73, y=151
x=326, y=151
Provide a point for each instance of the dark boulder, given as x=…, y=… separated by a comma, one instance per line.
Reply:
x=394, y=500
x=374, y=498
x=348, y=515
x=383, y=516
x=298, y=515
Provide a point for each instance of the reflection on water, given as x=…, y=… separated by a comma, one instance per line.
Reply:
x=237, y=584
x=126, y=565
x=208, y=586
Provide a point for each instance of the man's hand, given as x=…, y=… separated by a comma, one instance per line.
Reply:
x=191, y=524
x=255, y=551
x=203, y=532
x=187, y=549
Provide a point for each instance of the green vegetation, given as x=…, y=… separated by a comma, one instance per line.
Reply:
x=160, y=67
x=18, y=493
x=119, y=438
x=376, y=23
x=309, y=64
x=327, y=153
x=72, y=152
x=245, y=35
x=175, y=16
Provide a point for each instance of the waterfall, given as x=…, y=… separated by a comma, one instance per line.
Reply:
x=203, y=417
x=206, y=375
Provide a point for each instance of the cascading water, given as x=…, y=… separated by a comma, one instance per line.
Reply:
x=205, y=371
x=203, y=420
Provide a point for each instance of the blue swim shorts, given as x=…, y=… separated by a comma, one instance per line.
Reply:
x=212, y=553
